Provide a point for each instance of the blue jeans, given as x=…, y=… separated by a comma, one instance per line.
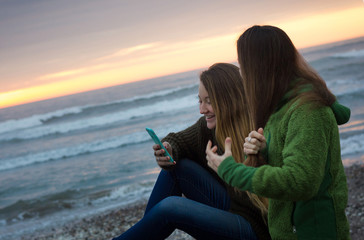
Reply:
x=203, y=214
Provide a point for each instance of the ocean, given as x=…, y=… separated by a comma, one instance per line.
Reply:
x=75, y=156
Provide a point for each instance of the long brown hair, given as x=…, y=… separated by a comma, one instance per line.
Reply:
x=269, y=63
x=225, y=88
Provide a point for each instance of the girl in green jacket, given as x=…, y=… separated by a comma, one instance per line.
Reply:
x=304, y=179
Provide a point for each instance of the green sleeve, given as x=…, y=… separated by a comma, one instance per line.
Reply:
x=303, y=149
x=236, y=174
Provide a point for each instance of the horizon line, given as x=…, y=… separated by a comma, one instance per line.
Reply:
x=302, y=50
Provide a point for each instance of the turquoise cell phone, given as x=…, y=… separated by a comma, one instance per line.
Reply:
x=157, y=141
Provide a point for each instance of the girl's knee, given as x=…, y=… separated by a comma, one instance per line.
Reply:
x=169, y=205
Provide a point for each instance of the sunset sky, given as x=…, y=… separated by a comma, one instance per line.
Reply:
x=51, y=48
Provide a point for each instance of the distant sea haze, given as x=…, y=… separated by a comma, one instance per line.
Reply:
x=74, y=156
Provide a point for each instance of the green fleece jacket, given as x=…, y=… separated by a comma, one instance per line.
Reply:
x=304, y=179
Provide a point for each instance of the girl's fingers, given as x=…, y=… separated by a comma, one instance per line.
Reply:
x=250, y=151
x=164, y=161
x=228, y=143
x=167, y=146
x=156, y=147
x=214, y=149
x=252, y=146
x=159, y=153
x=253, y=140
x=255, y=134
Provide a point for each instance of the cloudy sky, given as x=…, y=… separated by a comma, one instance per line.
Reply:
x=50, y=48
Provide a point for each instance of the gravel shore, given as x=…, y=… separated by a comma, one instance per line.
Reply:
x=113, y=223
x=355, y=209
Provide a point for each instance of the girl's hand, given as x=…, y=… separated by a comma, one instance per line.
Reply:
x=255, y=142
x=213, y=159
x=163, y=161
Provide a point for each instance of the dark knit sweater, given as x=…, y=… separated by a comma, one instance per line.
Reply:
x=191, y=143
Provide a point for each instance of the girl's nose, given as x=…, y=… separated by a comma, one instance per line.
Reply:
x=202, y=108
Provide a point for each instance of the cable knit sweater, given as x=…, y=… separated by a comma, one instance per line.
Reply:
x=191, y=143
x=305, y=180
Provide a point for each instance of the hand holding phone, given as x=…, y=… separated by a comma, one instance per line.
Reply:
x=157, y=141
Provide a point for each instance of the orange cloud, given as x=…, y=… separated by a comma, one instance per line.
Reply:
x=325, y=28
x=62, y=74
x=128, y=51
x=163, y=58
x=155, y=59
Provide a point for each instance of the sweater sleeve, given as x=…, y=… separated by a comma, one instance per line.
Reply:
x=236, y=174
x=189, y=142
x=304, y=154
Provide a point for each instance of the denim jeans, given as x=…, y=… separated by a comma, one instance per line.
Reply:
x=202, y=213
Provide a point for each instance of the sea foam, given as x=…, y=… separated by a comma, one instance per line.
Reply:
x=34, y=128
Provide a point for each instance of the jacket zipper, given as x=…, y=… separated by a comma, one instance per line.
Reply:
x=294, y=230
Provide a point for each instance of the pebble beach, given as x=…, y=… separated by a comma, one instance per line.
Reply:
x=115, y=222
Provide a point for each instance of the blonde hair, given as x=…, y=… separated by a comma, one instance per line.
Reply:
x=226, y=92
